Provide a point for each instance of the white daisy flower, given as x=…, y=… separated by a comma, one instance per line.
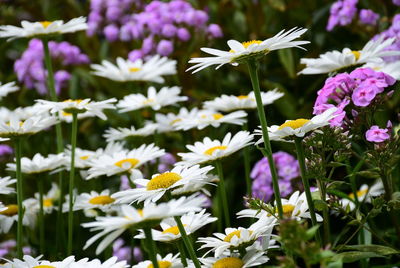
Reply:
x=5, y=183
x=196, y=186
x=124, y=161
x=255, y=256
x=228, y=103
x=94, y=200
x=115, y=134
x=237, y=238
x=167, y=122
x=31, y=29
x=365, y=194
x=85, y=107
x=154, y=100
x=5, y=89
x=333, y=61
x=210, y=150
x=170, y=231
x=39, y=163
x=298, y=127
x=10, y=215
x=14, y=127
x=169, y=261
x=109, y=263
x=129, y=217
x=205, y=118
x=240, y=52
x=48, y=200
x=31, y=262
x=152, y=190
x=152, y=70
x=296, y=207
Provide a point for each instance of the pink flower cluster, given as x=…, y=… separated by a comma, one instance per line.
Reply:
x=157, y=25
x=356, y=90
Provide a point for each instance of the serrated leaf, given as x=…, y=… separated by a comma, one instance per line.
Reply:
x=378, y=249
x=352, y=256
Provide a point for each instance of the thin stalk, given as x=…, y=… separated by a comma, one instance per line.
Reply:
x=222, y=193
x=301, y=159
x=220, y=210
x=181, y=249
x=252, y=66
x=325, y=212
x=387, y=184
x=246, y=156
x=59, y=138
x=41, y=216
x=20, y=198
x=151, y=247
x=71, y=181
x=187, y=242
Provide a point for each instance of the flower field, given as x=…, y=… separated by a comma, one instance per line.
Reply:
x=202, y=134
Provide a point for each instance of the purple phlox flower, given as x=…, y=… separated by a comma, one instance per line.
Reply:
x=396, y=2
x=285, y=188
x=363, y=96
x=165, y=47
x=342, y=13
x=367, y=16
x=123, y=253
x=125, y=185
x=376, y=134
x=111, y=32
x=214, y=30
x=5, y=150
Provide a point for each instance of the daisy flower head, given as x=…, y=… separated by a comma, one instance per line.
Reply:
x=205, y=118
x=96, y=263
x=170, y=231
x=255, y=256
x=111, y=227
x=94, y=200
x=154, y=100
x=115, y=134
x=30, y=262
x=155, y=188
x=85, y=107
x=169, y=261
x=237, y=238
x=364, y=194
x=334, y=61
x=297, y=128
x=49, y=200
x=39, y=164
x=124, y=161
x=5, y=183
x=15, y=127
x=168, y=122
x=40, y=28
x=5, y=89
x=151, y=70
x=241, y=52
x=210, y=150
x=9, y=215
x=228, y=103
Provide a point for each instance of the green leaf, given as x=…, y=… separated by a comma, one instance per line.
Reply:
x=378, y=249
x=352, y=256
x=311, y=232
x=320, y=205
x=370, y=174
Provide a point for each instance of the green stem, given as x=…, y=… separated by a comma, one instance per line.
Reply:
x=387, y=184
x=71, y=181
x=41, y=215
x=20, y=197
x=252, y=66
x=222, y=193
x=301, y=159
x=151, y=247
x=182, y=253
x=325, y=212
x=246, y=156
x=59, y=139
x=187, y=242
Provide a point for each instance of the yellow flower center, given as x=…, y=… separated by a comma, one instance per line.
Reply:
x=229, y=262
x=47, y=203
x=85, y=157
x=10, y=211
x=161, y=264
x=175, y=121
x=77, y=101
x=172, y=230
x=44, y=266
x=212, y=149
x=242, y=97
x=247, y=44
x=288, y=209
x=294, y=124
x=134, y=69
x=360, y=193
x=163, y=181
x=140, y=211
x=231, y=235
x=356, y=54
x=148, y=101
x=127, y=163
x=101, y=200
x=217, y=116
x=46, y=23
